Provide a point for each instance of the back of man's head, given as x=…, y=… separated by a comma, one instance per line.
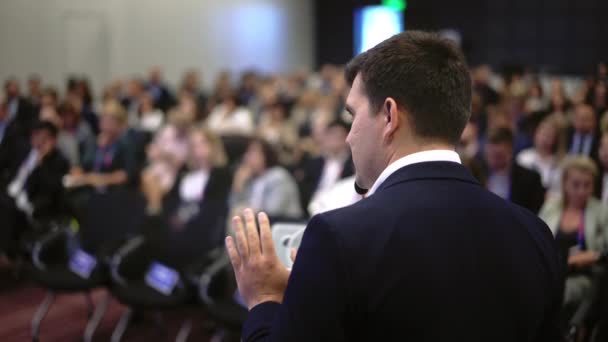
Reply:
x=426, y=75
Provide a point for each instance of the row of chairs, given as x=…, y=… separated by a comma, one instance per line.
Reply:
x=108, y=250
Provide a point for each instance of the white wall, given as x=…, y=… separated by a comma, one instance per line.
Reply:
x=116, y=38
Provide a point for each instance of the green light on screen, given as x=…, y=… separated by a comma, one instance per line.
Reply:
x=398, y=5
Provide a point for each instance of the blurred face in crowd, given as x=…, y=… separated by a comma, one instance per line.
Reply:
x=12, y=89
x=366, y=136
x=110, y=125
x=48, y=100
x=584, y=119
x=147, y=102
x=34, y=85
x=578, y=187
x=50, y=114
x=200, y=150
x=335, y=140
x=155, y=75
x=254, y=158
x=545, y=137
x=499, y=156
x=134, y=88
x=603, y=151
x=191, y=81
x=42, y=140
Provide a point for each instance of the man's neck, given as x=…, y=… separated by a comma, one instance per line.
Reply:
x=406, y=150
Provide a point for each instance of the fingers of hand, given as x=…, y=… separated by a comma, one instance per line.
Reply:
x=265, y=234
x=239, y=235
x=235, y=259
x=252, y=233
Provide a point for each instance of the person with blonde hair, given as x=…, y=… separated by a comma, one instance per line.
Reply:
x=107, y=162
x=578, y=221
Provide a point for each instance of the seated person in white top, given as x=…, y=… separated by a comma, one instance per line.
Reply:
x=547, y=153
x=260, y=183
x=229, y=118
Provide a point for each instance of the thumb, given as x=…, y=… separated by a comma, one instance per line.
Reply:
x=294, y=252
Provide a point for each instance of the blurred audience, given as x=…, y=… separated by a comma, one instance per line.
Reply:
x=32, y=178
x=105, y=162
x=506, y=178
x=546, y=155
x=579, y=222
x=260, y=183
x=163, y=98
x=333, y=163
x=229, y=117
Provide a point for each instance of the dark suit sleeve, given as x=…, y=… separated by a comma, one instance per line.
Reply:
x=313, y=308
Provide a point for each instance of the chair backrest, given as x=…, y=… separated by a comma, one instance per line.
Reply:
x=285, y=237
x=110, y=216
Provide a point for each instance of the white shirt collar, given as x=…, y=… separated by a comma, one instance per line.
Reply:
x=414, y=158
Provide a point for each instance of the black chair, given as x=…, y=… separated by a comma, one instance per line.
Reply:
x=584, y=318
x=108, y=218
x=185, y=255
x=217, y=288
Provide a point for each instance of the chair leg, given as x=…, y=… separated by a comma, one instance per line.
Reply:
x=43, y=309
x=90, y=305
x=159, y=321
x=92, y=324
x=122, y=325
x=184, y=331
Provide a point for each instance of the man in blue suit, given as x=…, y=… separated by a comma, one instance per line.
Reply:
x=429, y=255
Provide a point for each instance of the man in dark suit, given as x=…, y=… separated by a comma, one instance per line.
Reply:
x=583, y=137
x=429, y=255
x=18, y=110
x=333, y=164
x=31, y=183
x=506, y=178
x=163, y=98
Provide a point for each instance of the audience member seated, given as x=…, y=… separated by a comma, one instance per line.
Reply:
x=198, y=199
x=583, y=138
x=75, y=126
x=132, y=100
x=506, y=178
x=579, y=223
x=230, y=118
x=163, y=98
x=107, y=162
x=18, y=109
x=168, y=151
x=470, y=148
x=150, y=118
x=278, y=131
x=34, y=92
x=339, y=195
x=601, y=184
x=334, y=163
x=191, y=86
x=66, y=142
x=261, y=184
x=31, y=183
x=546, y=155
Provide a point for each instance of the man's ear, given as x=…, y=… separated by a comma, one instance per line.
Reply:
x=390, y=114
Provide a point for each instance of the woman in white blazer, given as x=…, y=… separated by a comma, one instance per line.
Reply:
x=578, y=222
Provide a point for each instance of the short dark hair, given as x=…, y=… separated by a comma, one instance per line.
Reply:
x=47, y=126
x=500, y=135
x=422, y=72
